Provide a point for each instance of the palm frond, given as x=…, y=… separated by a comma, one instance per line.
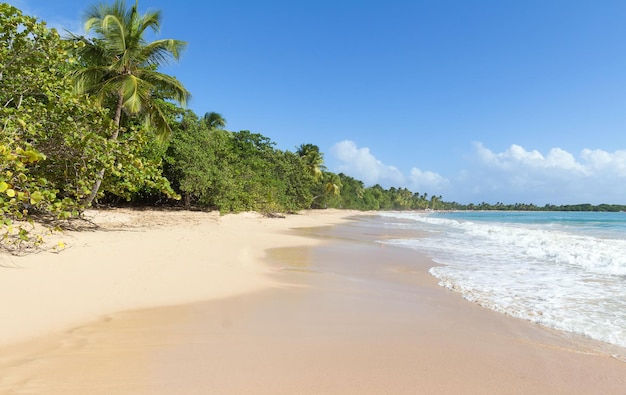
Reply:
x=161, y=52
x=168, y=86
x=156, y=118
x=150, y=20
x=136, y=93
x=214, y=120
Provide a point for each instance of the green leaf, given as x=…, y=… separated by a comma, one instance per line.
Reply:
x=23, y=235
x=36, y=197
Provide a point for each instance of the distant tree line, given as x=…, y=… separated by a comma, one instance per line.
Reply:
x=532, y=207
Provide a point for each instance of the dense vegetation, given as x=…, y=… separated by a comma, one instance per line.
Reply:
x=91, y=120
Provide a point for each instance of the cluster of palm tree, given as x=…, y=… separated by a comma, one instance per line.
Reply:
x=314, y=160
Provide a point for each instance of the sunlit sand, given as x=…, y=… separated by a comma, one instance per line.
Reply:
x=194, y=303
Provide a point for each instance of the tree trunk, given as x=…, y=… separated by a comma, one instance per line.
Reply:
x=114, y=135
x=95, y=188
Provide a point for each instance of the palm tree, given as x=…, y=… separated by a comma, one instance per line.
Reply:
x=313, y=159
x=119, y=65
x=332, y=183
x=214, y=120
x=434, y=201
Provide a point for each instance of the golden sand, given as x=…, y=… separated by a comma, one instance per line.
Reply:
x=194, y=303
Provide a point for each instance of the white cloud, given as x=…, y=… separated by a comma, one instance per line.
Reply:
x=514, y=175
x=516, y=157
x=427, y=181
x=613, y=164
x=558, y=177
x=361, y=164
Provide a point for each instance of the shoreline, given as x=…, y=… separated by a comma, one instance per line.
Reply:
x=424, y=264
x=140, y=259
x=327, y=318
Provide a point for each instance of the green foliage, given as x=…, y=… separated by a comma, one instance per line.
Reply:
x=257, y=176
x=313, y=159
x=49, y=140
x=39, y=112
x=234, y=171
x=296, y=181
x=137, y=166
x=53, y=143
x=72, y=135
x=29, y=57
x=353, y=193
x=19, y=191
x=190, y=159
x=214, y=120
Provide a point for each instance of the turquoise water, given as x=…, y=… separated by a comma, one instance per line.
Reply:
x=606, y=224
x=565, y=270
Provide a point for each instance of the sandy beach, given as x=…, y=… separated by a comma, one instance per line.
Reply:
x=193, y=303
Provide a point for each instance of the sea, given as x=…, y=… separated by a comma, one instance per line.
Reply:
x=564, y=270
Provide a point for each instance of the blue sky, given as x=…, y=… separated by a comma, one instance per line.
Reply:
x=496, y=101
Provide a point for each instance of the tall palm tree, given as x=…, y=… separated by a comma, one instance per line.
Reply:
x=121, y=66
x=214, y=120
x=313, y=159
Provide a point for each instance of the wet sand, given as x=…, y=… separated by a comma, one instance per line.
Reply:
x=349, y=316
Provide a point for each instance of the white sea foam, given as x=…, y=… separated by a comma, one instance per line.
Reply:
x=562, y=276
